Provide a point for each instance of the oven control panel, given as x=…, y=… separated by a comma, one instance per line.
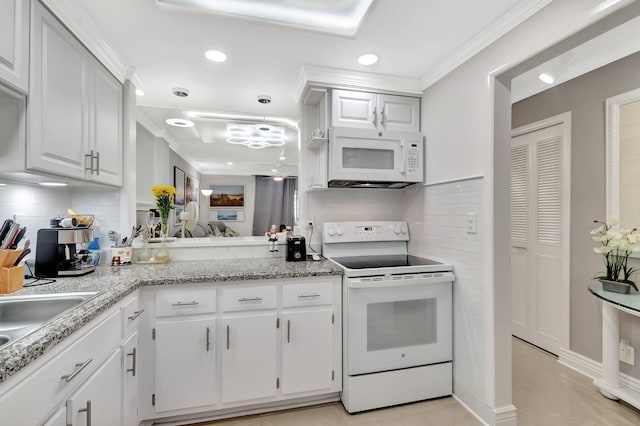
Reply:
x=352, y=232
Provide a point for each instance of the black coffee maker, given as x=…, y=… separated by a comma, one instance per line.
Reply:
x=56, y=252
x=296, y=248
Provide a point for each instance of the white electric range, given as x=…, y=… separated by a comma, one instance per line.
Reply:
x=397, y=316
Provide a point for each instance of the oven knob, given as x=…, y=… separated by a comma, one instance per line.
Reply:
x=339, y=231
x=396, y=230
x=404, y=229
x=331, y=231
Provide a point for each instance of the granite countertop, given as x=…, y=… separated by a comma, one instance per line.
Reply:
x=115, y=283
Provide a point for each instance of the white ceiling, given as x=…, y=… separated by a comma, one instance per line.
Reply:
x=166, y=46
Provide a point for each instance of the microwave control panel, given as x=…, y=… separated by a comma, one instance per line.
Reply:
x=413, y=160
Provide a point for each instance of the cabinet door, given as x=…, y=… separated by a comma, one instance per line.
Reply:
x=354, y=109
x=130, y=376
x=185, y=364
x=98, y=401
x=58, y=109
x=106, y=126
x=14, y=43
x=307, y=351
x=249, y=357
x=59, y=418
x=399, y=113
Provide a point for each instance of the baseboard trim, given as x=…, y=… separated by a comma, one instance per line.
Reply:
x=466, y=407
x=505, y=416
x=593, y=369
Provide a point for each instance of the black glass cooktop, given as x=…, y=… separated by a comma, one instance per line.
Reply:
x=385, y=261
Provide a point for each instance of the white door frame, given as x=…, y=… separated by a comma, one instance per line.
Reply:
x=565, y=291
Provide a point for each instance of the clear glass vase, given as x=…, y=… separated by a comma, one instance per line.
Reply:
x=162, y=255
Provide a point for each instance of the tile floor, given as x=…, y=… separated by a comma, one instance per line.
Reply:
x=545, y=393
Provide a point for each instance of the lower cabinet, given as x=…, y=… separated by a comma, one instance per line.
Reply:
x=307, y=351
x=249, y=357
x=98, y=400
x=184, y=363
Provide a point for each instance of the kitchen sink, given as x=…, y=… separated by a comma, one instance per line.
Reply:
x=20, y=315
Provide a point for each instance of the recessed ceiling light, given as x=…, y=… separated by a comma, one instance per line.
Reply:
x=278, y=178
x=53, y=184
x=215, y=55
x=180, y=122
x=282, y=158
x=546, y=78
x=229, y=163
x=274, y=170
x=368, y=59
x=139, y=92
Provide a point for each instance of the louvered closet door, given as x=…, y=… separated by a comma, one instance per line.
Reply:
x=536, y=212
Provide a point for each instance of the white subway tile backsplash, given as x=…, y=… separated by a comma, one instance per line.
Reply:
x=438, y=227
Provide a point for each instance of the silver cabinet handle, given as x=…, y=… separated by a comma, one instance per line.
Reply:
x=69, y=412
x=288, y=331
x=375, y=117
x=249, y=299
x=382, y=117
x=208, y=341
x=134, y=356
x=309, y=295
x=87, y=410
x=228, y=340
x=79, y=367
x=193, y=303
x=90, y=157
x=97, y=163
x=136, y=314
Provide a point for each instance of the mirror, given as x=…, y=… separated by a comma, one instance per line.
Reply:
x=623, y=159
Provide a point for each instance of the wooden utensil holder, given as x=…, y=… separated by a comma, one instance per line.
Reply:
x=11, y=279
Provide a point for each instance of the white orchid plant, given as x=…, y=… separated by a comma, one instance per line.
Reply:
x=615, y=246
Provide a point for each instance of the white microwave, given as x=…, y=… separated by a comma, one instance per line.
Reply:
x=367, y=158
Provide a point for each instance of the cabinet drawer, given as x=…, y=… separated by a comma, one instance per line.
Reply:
x=307, y=294
x=131, y=312
x=249, y=298
x=62, y=374
x=185, y=302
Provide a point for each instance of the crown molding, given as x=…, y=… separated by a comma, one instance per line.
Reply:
x=85, y=29
x=505, y=23
x=311, y=75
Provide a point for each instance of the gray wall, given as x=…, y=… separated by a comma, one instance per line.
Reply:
x=585, y=97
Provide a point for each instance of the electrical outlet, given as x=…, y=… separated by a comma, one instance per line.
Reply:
x=310, y=220
x=627, y=352
x=472, y=223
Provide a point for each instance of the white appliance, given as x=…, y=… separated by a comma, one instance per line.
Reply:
x=397, y=316
x=367, y=158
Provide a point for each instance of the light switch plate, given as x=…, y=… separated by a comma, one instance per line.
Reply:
x=472, y=223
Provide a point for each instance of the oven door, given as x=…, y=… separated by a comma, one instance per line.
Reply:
x=372, y=156
x=398, y=321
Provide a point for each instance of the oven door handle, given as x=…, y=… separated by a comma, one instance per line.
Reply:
x=438, y=278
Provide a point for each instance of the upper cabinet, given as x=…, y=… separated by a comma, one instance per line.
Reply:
x=14, y=43
x=75, y=111
x=375, y=111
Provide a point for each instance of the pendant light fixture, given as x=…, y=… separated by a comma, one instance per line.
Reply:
x=256, y=136
x=180, y=121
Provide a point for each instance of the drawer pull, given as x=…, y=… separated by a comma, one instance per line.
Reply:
x=208, y=341
x=133, y=354
x=309, y=295
x=193, y=303
x=136, y=314
x=87, y=410
x=288, y=331
x=250, y=299
x=79, y=367
x=228, y=340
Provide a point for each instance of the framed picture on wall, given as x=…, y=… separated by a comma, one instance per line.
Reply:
x=178, y=183
x=192, y=189
x=227, y=196
x=178, y=210
x=226, y=215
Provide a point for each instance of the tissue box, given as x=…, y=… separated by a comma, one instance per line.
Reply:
x=11, y=279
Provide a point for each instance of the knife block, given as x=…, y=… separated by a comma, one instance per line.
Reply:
x=8, y=257
x=11, y=279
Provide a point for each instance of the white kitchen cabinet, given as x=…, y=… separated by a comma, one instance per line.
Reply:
x=130, y=374
x=184, y=363
x=375, y=111
x=59, y=418
x=249, y=357
x=75, y=110
x=98, y=402
x=308, y=351
x=14, y=43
